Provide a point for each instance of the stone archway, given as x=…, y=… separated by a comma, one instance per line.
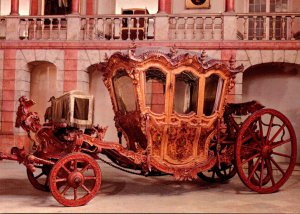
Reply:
x=43, y=85
x=275, y=85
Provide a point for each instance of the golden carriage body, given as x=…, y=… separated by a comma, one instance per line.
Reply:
x=172, y=110
x=169, y=107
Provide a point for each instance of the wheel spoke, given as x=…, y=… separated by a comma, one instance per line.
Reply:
x=251, y=158
x=38, y=176
x=261, y=132
x=90, y=178
x=65, y=168
x=74, y=165
x=75, y=193
x=85, y=168
x=65, y=190
x=282, y=155
x=250, y=147
x=60, y=180
x=269, y=128
x=277, y=133
x=278, y=167
x=253, y=136
x=46, y=181
x=279, y=143
x=245, y=139
x=213, y=174
x=270, y=171
x=261, y=172
x=85, y=188
x=254, y=168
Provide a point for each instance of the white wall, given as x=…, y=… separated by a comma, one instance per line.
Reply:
x=4, y=7
x=276, y=87
x=103, y=110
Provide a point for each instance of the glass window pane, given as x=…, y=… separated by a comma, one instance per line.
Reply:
x=81, y=109
x=186, y=93
x=155, y=90
x=212, y=94
x=124, y=92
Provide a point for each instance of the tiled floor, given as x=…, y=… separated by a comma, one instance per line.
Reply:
x=126, y=193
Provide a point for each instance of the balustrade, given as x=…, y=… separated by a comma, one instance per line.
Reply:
x=196, y=27
x=268, y=26
x=2, y=28
x=186, y=27
x=124, y=27
x=43, y=28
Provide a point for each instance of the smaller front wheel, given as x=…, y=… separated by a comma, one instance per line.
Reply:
x=75, y=179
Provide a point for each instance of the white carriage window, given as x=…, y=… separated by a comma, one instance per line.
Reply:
x=186, y=93
x=261, y=27
x=212, y=94
x=155, y=90
x=124, y=92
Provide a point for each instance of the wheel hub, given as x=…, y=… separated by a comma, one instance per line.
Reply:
x=75, y=179
x=266, y=151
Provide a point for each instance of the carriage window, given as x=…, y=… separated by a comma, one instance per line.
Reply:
x=155, y=90
x=81, y=108
x=186, y=93
x=124, y=92
x=212, y=96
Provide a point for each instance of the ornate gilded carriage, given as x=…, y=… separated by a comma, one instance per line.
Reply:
x=169, y=106
x=172, y=110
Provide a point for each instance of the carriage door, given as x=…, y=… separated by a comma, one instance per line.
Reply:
x=180, y=145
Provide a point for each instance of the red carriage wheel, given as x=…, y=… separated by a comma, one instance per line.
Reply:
x=226, y=171
x=39, y=178
x=266, y=151
x=216, y=174
x=75, y=179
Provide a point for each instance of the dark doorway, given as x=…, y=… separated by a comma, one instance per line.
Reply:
x=58, y=7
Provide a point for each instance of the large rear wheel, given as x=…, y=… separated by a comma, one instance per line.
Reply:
x=266, y=151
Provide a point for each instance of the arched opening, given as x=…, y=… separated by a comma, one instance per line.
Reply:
x=43, y=78
x=103, y=110
x=275, y=85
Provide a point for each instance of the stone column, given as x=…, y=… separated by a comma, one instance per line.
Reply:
x=169, y=6
x=75, y=7
x=89, y=7
x=229, y=7
x=14, y=9
x=33, y=7
x=161, y=6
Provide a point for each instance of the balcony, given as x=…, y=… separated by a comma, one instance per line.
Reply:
x=182, y=28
